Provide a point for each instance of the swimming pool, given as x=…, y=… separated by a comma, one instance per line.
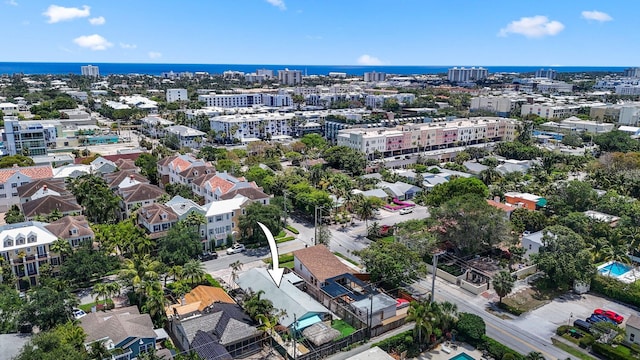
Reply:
x=462, y=356
x=614, y=269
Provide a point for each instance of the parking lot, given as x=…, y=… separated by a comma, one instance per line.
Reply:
x=544, y=321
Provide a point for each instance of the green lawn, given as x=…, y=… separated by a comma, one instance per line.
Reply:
x=87, y=307
x=571, y=350
x=346, y=258
x=388, y=239
x=288, y=264
x=344, y=328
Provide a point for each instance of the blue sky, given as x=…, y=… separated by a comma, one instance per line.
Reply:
x=323, y=32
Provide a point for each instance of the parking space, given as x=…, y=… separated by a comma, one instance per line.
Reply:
x=544, y=321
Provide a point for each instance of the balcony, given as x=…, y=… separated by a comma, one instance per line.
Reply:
x=43, y=256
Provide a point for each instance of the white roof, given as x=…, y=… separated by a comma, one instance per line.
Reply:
x=71, y=170
x=34, y=229
x=525, y=196
x=184, y=131
x=224, y=206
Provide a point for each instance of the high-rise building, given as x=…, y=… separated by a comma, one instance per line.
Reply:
x=90, y=70
x=289, y=77
x=374, y=76
x=632, y=72
x=467, y=74
x=546, y=73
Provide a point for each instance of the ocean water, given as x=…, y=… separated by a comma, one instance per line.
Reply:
x=157, y=69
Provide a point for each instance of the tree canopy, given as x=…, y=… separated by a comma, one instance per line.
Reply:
x=616, y=140
x=181, y=244
x=48, y=307
x=269, y=215
x=85, y=263
x=20, y=160
x=390, y=262
x=345, y=158
x=456, y=187
x=100, y=204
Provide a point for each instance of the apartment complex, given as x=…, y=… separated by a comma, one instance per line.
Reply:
x=410, y=138
x=245, y=100
x=632, y=72
x=249, y=127
x=289, y=77
x=374, y=76
x=550, y=111
x=90, y=70
x=14, y=177
x=30, y=137
x=467, y=74
x=501, y=105
x=548, y=73
x=174, y=95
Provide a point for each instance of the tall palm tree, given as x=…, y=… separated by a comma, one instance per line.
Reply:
x=176, y=271
x=194, y=271
x=155, y=303
x=503, y=284
x=420, y=312
x=449, y=312
x=255, y=305
x=61, y=246
x=100, y=290
x=113, y=288
x=268, y=323
x=366, y=208
x=138, y=269
x=235, y=267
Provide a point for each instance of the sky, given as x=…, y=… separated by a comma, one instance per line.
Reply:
x=323, y=32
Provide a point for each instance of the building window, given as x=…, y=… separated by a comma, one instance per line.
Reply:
x=632, y=337
x=14, y=185
x=1, y=186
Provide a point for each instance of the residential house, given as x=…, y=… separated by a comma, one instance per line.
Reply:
x=375, y=353
x=254, y=194
x=230, y=333
x=302, y=310
x=525, y=200
x=123, y=328
x=197, y=301
x=74, y=229
x=632, y=330
x=316, y=264
x=154, y=126
x=183, y=207
x=71, y=171
x=46, y=205
x=506, y=208
x=156, y=219
x=399, y=190
x=220, y=184
x=138, y=195
x=378, y=193
x=474, y=167
x=187, y=137
x=124, y=179
x=126, y=165
x=169, y=168
x=370, y=305
x=187, y=176
x=602, y=217
x=13, y=177
x=510, y=166
x=532, y=242
x=222, y=220
x=100, y=165
x=42, y=187
x=25, y=247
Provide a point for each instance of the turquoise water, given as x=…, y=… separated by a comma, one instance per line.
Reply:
x=462, y=356
x=614, y=269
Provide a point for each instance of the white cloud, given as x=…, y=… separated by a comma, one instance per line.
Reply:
x=57, y=13
x=369, y=60
x=93, y=42
x=11, y=2
x=596, y=15
x=533, y=27
x=154, y=55
x=128, y=46
x=278, y=3
x=100, y=20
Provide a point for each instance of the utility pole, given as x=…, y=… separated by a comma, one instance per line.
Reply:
x=284, y=193
x=315, y=224
x=295, y=341
x=435, y=270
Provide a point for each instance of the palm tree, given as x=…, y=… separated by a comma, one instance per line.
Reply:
x=534, y=355
x=366, y=208
x=616, y=254
x=98, y=351
x=61, y=246
x=503, y=284
x=449, y=312
x=113, y=288
x=193, y=270
x=138, y=269
x=418, y=313
x=100, y=290
x=195, y=219
x=176, y=271
x=255, y=305
x=490, y=176
x=155, y=304
x=235, y=267
x=268, y=323
x=373, y=231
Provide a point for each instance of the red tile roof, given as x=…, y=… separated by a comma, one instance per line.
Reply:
x=501, y=206
x=219, y=183
x=33, y=172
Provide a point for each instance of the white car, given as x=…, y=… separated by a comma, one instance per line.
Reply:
x=406, y=211
x=236, y=248
x=78, y=313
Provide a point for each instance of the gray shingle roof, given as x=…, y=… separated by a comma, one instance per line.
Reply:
x=117, y=325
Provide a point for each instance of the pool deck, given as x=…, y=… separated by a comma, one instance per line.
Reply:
x=627, y=277
x=439, y=354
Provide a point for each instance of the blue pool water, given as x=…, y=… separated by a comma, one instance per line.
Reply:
x=462, y=356
x=614, y=269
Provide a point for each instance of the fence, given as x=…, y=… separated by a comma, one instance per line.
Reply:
x=525, y=271
x=473, y=288
x=333, y=347
x=379, y=330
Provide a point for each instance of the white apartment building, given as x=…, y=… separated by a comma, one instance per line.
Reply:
x=90, y=70
x=550, y=111
x=629, y=115
x=367, y=141
x=501, y=105
x=548, y=73
x=632, y=72
x=627, y=89
x=467, y=74
x=289, y=77
x=553, y=87
x=578, y=124
x=277, y=100
x=231, y=100
x=9, y=109
x=188, y=137
x=222, y=219
x=174, y=95
x=249, y=127
x=155, y=126
x=374, y=76
x=13, y=177
x=265, y=72
x=33, y=136
x=377, y=101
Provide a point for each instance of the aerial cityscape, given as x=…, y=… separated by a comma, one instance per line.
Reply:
x=297, y=180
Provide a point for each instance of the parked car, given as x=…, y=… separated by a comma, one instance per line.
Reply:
x=617, y=318
x=582, y=325
x=601, y=318
x=208, y=255
x=79, y=313
x=406, y=211
x=236, y=248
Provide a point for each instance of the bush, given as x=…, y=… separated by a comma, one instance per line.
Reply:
x=586, y=341
x=610, y=352
x=209, y=280
x=562, y=329
x=511, y=309
x=285, y=239
x=471, y=328
x=399, y=343
x=617, y=290
x=498, y=350
x=292, y=229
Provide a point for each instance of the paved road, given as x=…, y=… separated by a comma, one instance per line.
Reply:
x=517, y=335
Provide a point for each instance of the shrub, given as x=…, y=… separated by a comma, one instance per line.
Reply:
x=562, y=329
x=610, y=352
x=292, y=229
x=511, y=309
x=209, y=280
x=498, y=350
x=397, y=343
x=471, y=328
x=586, y=341
x=285, y=239
x=615, y=289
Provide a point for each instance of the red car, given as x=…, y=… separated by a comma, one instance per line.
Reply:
x=610, y=314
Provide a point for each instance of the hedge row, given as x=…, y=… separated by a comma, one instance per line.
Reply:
x=292, y=229
x=284, y=239
x=399, y=343
x=617, y=290
x=498, y=350
x=610, y=352
x=511, y=309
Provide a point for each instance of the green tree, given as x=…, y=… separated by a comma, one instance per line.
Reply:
x=193, y=270
x=100, y=290
x=20, y=160
x=47, y=307
x=210, y=153
x=256, y=305
x=86, y=264
x=503, y=283
x=313, y=141
x=534, y=355
x=616, y=140
x=391, y=263
x=269, y=215
x=181, y=244
x=471, y=328
x=523, y=219
x=180, y=189
x=148, y=165
x=138, y=270
x=100, y=204
x=235, y=267
x=419, y=313
x=14, y=215
x=366, y=207
x=10, y=304
x=345, y=158
x=572, y=139
x=63, y=342
x=456, y=187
